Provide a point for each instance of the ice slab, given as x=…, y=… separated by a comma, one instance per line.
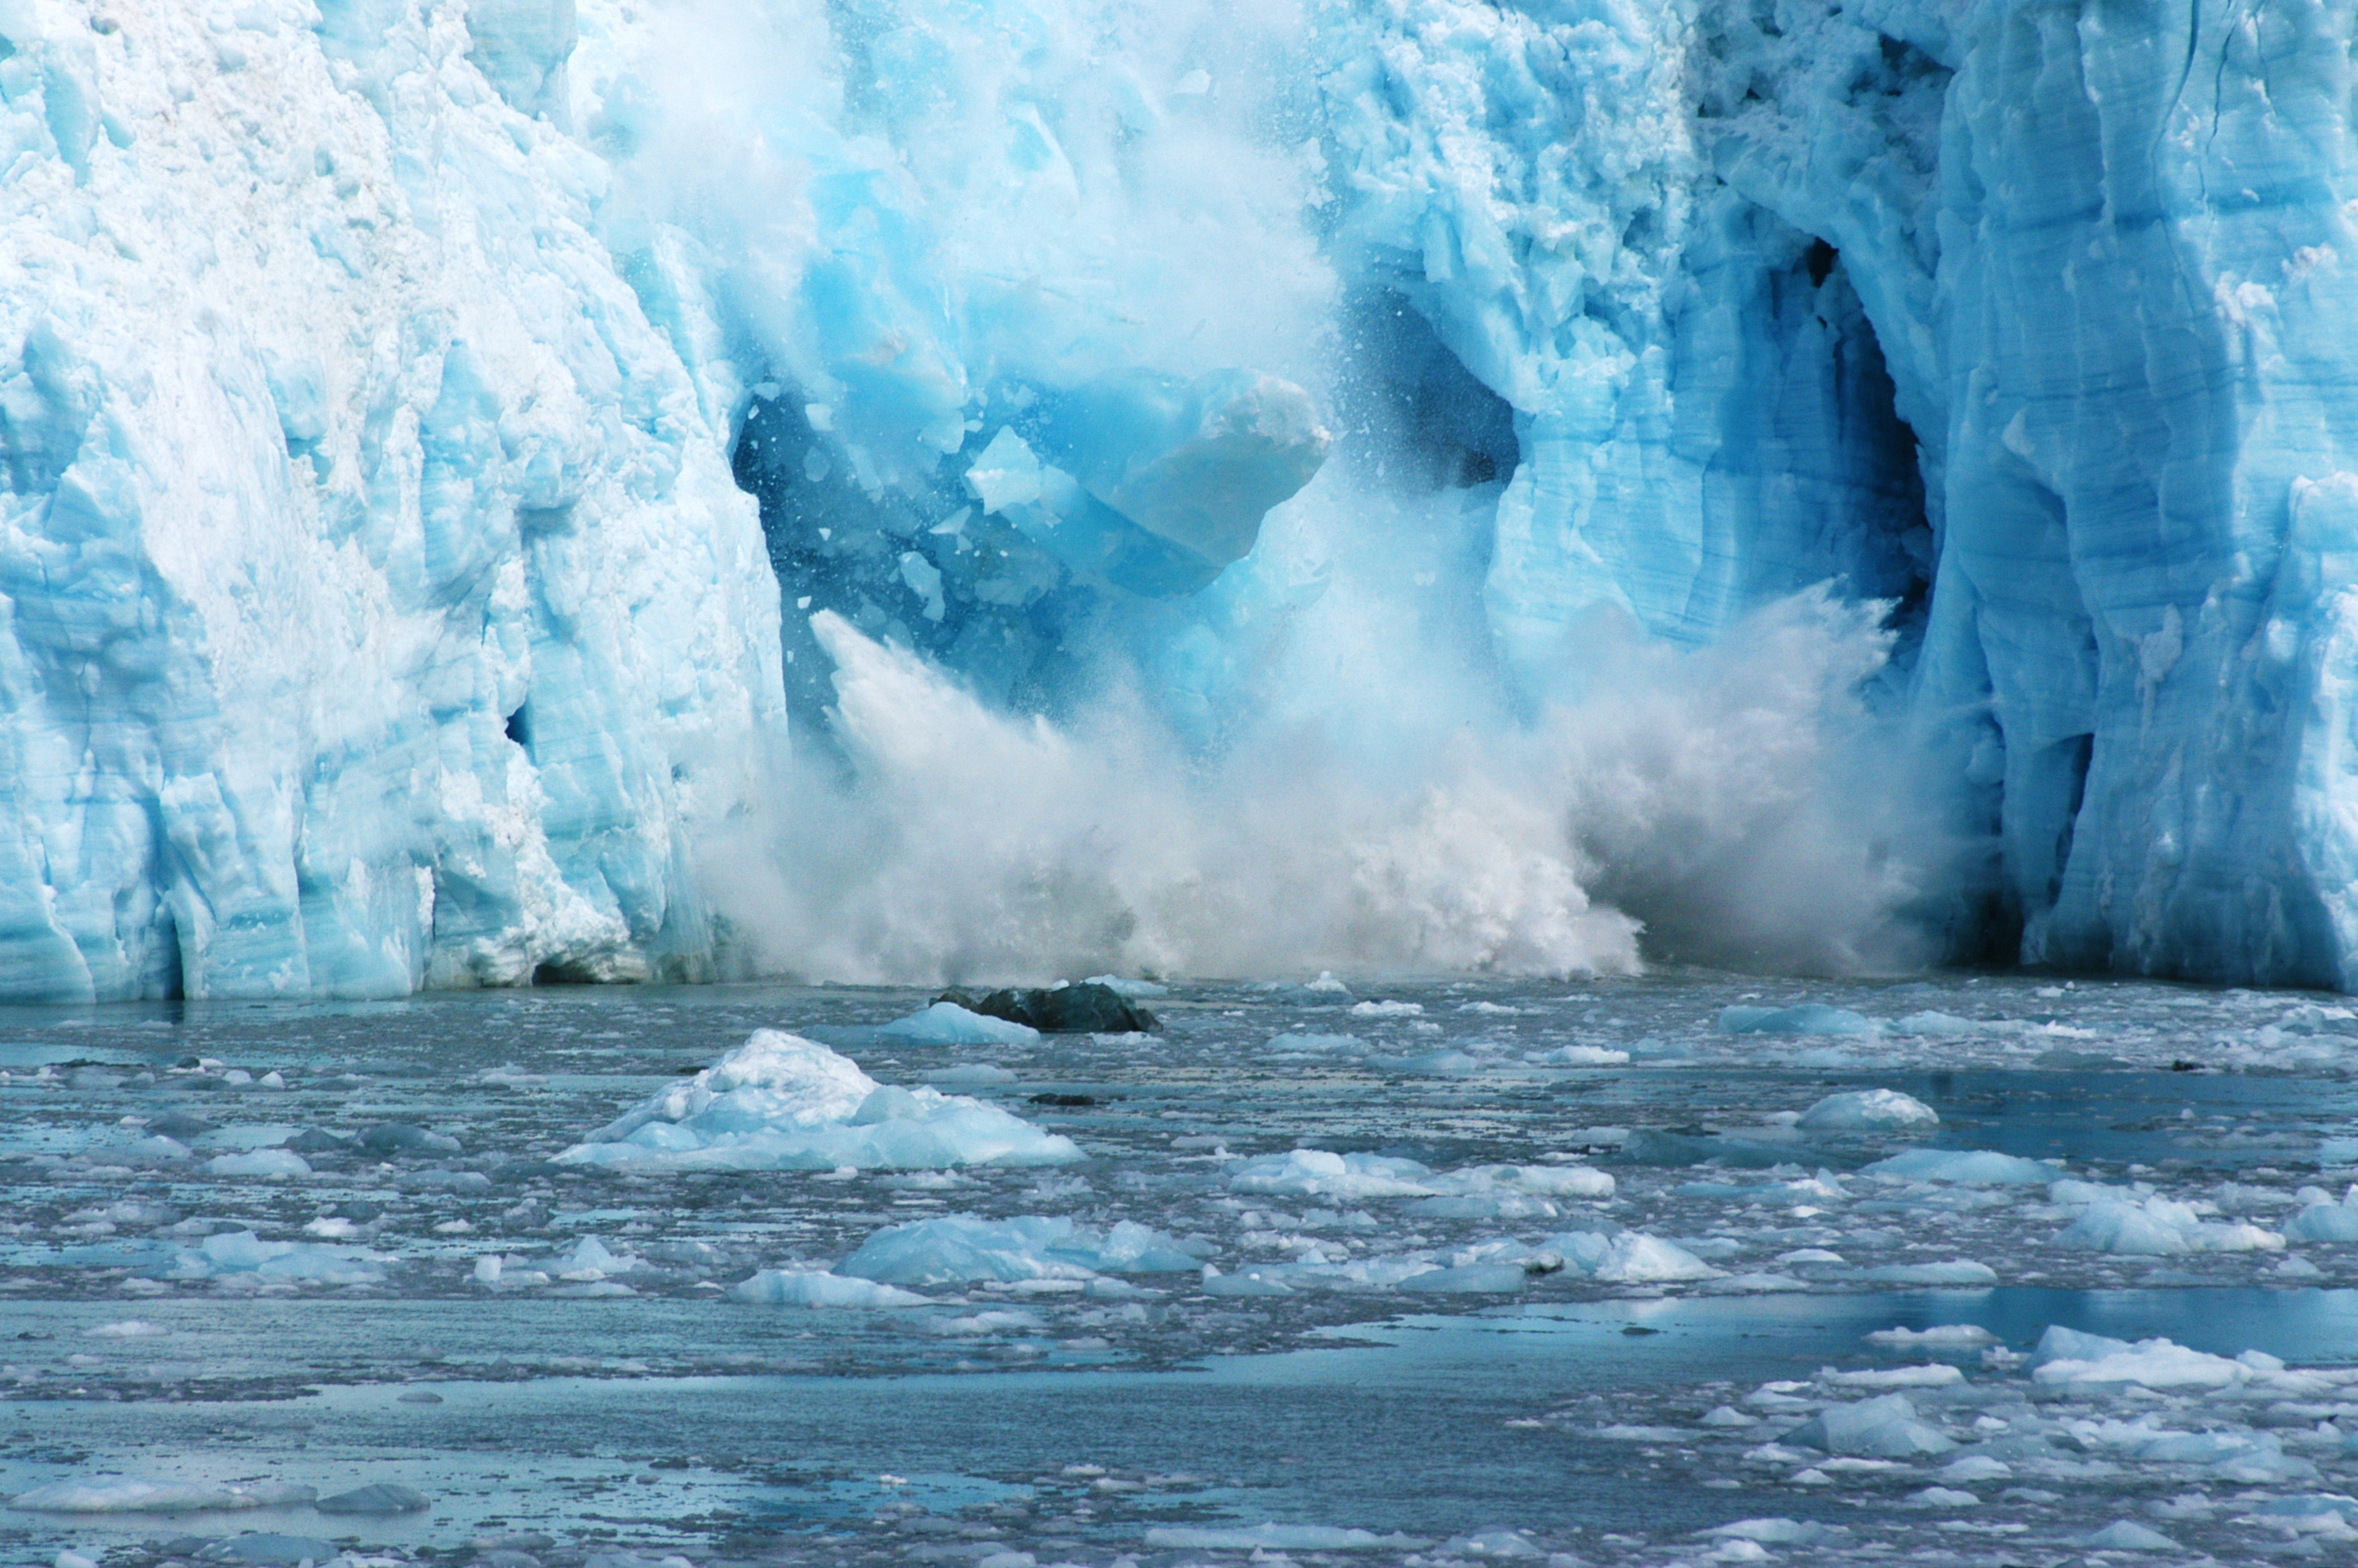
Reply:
x=1874, y=1110
x=780, y=1102
x=819, y=1288
x=947, y=1023
x=1965, y=1167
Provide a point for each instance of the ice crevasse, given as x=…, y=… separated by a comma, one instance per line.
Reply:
x=444, y=447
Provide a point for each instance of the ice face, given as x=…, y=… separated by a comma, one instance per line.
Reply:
x=403, y=509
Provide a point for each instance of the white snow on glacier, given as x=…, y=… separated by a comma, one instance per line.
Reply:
x=1217, y=487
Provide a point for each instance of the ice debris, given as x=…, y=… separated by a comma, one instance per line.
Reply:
x=2150, y=1225
x=1869, y=1110
x=780, y=1102
x=957, y=1248
x=1964, y=1167
x=819, y=1288
x=947, y=1023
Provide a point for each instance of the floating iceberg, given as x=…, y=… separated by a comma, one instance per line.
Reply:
x=1966, y=1167
x=2158, y=1226
x=818, y=1288
x=947, y=1023
x=1868, y=1110
x=2326, y=1221
x=783, y=1103
x=242, y=1256
x=1316, y=1173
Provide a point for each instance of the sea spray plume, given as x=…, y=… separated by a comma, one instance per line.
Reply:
x=1697, y=786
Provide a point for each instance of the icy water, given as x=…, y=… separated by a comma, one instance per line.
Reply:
x=212, y=1284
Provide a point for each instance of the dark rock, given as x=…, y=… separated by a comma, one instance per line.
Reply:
x=1074, y=1101
x=1065, y=1009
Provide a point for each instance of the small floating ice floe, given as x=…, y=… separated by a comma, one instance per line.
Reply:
x=2326, y=1220
x=1963, y=1167
x=2149, y=1225
x=947, y=1023
x=818, y=1288
x=780, y=1102
x=1868, y=1110
x=242, y=1254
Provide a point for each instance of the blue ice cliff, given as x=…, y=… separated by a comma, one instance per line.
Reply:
x=570, y=489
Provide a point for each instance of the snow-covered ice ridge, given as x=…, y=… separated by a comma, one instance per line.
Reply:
x=412, y=413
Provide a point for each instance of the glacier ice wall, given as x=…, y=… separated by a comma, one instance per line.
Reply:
x=1362, y=475
x=376, y=608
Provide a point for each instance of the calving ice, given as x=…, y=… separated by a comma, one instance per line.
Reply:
x=568, y=490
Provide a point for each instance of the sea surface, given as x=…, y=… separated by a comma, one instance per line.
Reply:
x=214, y=1355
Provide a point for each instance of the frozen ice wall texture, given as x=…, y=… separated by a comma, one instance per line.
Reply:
x=2103, y=255
x=412, y=412
x=377, y=609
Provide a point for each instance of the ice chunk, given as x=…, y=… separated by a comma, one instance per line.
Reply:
x=1809, y=1018
x=1129, y=989
x=242, y=1254
x=1940, y=1337
x=1966, y=1167
x=1885, y=1428
x=2066, y=1356
x=1005, y=473
x=1630, y=1257
x=122, y=1494
x=1470, y=1279
x=780, y=1102
x=1929, y=1375
x=2326, y=1221
x=2160, y=1227
x=259, y=1162
x=947, y=1023
x=956, y=1249
x=2128, y=1535
x=1316, y=1173
x=804, y=1288
x=1878, y=1111
x=1578, y=1056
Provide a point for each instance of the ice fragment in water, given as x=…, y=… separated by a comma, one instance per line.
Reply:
x=947, y=1023
x=792, y=1287
x=1966, y=1167
x=2160, y=1227
x=780, y=1102
x=1885, y=1428
x=2326, y=1221
x=1316, y=1173
x=1880, y=1110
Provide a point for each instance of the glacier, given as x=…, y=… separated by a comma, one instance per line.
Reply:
x=575, y=490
